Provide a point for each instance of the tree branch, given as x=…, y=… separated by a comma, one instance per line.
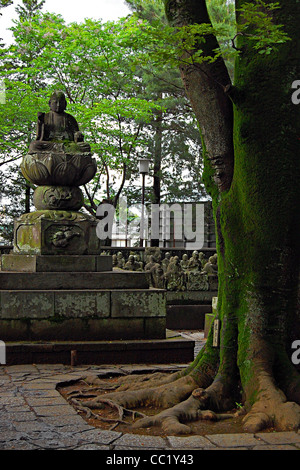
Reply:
x=205, y=86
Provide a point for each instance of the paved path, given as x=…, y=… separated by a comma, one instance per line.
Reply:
x=33, y=415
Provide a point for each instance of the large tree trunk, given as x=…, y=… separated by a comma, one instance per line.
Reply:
x=157, y=162
x=257, y=219
x=253, y=147
x=259, y=227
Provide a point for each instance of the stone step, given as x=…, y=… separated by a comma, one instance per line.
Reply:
x=166, y=351
x=88, y=315
x=72, y=280
x=187, y=316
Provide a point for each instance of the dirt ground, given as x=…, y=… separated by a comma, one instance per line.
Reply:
x=108, y=418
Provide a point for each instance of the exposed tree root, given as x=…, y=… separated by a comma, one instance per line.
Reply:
x=88, y=406
x=134, y=381
x=203, y=391
x=163, y=396
x=183, y=401
x=172, y=420
x=272, y=409
x=89, y=413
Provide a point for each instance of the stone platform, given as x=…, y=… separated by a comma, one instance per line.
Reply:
x=164, y=351
x=70, y=306
x=101, y=316
x=56, y=307
x=55, y=263
x=188, y=309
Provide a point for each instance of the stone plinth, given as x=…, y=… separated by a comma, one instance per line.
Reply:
x=56, y=263
x=187, y=317
x=82, y=315
x=79, y=306
x=72, y=280
x=188, y=309
x=156, y=351
x=56, y=232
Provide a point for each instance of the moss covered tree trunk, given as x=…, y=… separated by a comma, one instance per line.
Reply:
x=257, y=216
x=251, y=138
x=258, y=223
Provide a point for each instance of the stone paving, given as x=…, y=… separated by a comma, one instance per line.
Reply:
x=34, y=416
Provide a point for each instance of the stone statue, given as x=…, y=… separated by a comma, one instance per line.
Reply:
x=202, y=258
x=175, y=277
x=197, y=281
x=151, y=263
x=194, y=262
x=56, y=127
x=157, y=277
x=138, y=260
x=61, y=238
x=211, y=271
x=184, y=262
x=166, y=261
x=132, y=264
x=58, y=162
x=58, y=156
x=211, y=267
x=120, y=260
x=154, y=272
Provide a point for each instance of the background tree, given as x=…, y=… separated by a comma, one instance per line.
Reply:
x=124, y=108
x=250, y=136
x=173, y=143
x=17, y=116
x=49, y=54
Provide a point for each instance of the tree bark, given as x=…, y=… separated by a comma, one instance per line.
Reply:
x=204, y=86
x=157, y=163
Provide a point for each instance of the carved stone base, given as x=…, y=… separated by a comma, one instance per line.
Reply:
x=50, y=232
x=55, y=263
x=69, y=198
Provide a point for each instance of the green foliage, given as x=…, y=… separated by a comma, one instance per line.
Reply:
x=116, y=99
x=122, y=83
x=5, y=3
x=259, y=25
x=29, y=8
x=162, y=44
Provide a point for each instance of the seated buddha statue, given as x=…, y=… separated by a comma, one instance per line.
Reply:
x=57, y=129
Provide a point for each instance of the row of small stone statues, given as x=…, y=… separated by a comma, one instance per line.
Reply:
x=171, y=272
